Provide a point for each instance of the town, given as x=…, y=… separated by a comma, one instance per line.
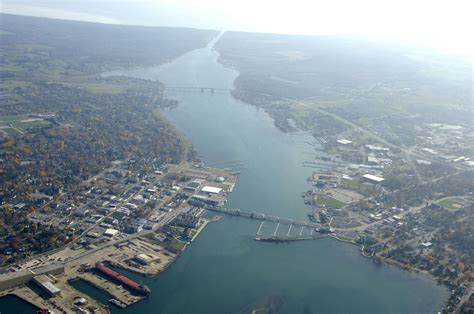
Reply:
x=418, y=222
x=122, y=219
x=339, y=140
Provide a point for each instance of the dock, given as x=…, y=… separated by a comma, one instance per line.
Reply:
x=115, y=291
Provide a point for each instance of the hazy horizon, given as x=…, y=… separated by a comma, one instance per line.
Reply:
x=442, y=25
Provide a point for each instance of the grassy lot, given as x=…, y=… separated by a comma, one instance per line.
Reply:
x=452, y=202
x=329, y=202
x=101, y=89
x=175, y=246
x=10, y=68
x=12, y=84
x=13, y=125
x=357, y=186
x=9, y=131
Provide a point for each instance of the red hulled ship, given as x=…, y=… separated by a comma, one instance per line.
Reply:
x=140, y=288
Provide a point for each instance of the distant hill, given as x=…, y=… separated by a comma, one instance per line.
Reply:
x=308, y=66
x=97, y=45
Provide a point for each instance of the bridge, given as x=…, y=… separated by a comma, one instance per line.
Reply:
x=208, y=89
x=261, y=216
x=274, y=237
x=200, y=89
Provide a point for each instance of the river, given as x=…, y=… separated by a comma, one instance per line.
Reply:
x=225, y=270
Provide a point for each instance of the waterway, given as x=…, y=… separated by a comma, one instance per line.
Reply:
x=225, y=270
x=13, y=304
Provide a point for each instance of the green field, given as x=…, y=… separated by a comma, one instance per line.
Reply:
x=11, y=84
x=329, y=202
x=101, y=88
x=452, y=202
x=13, y=125
x=9, y=131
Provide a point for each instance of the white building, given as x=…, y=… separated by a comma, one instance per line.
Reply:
x=211, y=190
x=344, y=141
x=373, y=179
x=45, y=283
x=111, y=232
x=146, y=259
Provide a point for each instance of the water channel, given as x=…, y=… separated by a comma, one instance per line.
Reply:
x=225, y=270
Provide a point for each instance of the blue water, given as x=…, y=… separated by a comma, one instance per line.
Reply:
x=225, y=270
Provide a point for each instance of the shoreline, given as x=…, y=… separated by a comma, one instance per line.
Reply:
x=408, y=268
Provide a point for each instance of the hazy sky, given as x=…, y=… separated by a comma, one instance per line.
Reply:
x=444, y=24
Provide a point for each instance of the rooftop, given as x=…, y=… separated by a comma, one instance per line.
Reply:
x=371, y=177
x=211, y=189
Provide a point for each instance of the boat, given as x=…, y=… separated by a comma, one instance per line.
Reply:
x=138, y=287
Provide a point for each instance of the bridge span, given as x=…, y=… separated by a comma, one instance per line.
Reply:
x=206, y=89
x=313, y=231
x=201, y=89
x=262, y=216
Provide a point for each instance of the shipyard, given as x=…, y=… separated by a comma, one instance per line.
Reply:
x=126, y=221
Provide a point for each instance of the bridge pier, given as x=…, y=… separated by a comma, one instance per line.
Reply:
x=301, y=231
x=289, y=230
x=276, y=229
x=260, y=228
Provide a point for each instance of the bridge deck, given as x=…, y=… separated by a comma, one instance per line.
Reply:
x=261, y=216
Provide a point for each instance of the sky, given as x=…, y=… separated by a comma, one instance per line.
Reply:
x=446, y=25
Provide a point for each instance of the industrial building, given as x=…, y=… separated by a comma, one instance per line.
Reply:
x=211, y=190
x=111, y=232
x=211, y=200
x=10, y=280
x=44, y=282
x=146, y=259
x=193, y=186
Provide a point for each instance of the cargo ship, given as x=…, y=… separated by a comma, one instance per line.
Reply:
x=140, y=288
